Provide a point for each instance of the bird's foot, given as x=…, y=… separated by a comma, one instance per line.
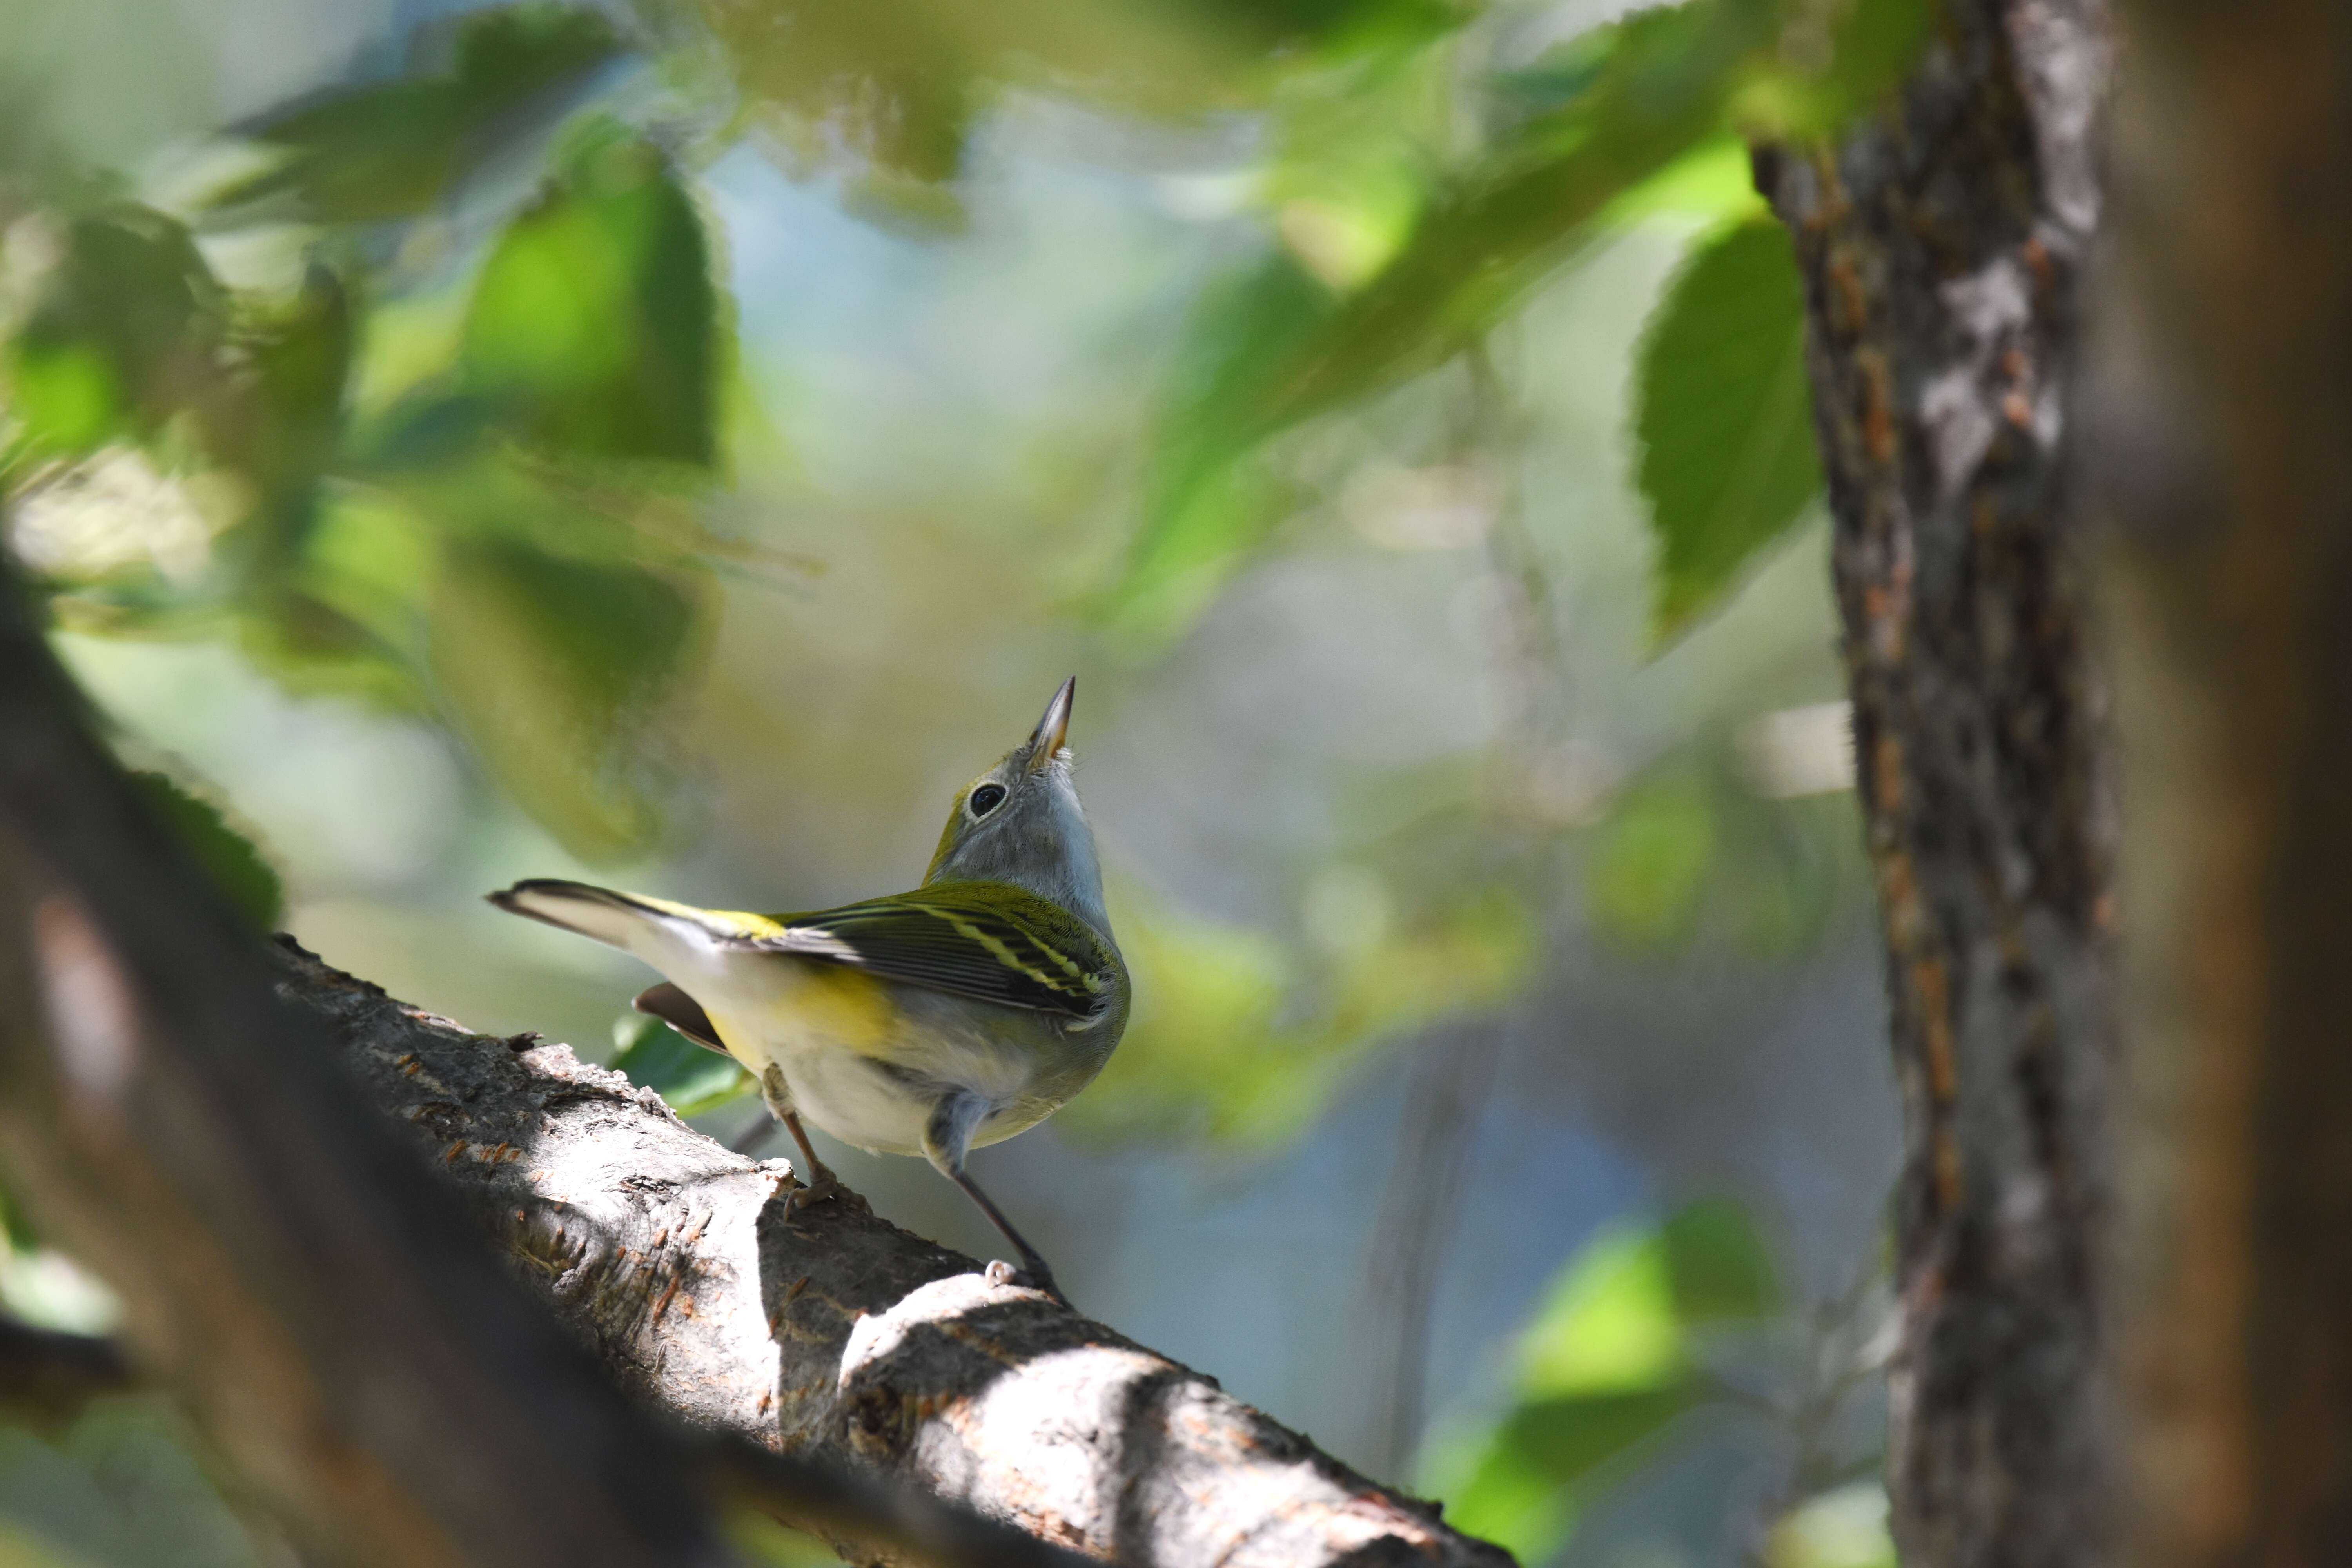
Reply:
x=819, y=1186
x=1034, y=1277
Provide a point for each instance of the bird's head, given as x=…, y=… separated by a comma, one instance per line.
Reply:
x=1021, y=821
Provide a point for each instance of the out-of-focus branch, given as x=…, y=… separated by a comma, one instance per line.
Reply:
x=327, y=1314
x=2222, y=479
x=50, y=1376
x=837, y=1338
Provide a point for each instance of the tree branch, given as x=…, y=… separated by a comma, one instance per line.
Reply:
x=50, y=1376
x=837, y=1337
x=330, y=1318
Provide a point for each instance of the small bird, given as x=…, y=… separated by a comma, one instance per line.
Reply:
x=925, y=1023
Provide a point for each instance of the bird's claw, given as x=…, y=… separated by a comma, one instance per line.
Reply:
x=1036, y=1278
x=822, y=1186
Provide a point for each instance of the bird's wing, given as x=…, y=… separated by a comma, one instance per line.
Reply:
x=680, y=1012
x=988, y=941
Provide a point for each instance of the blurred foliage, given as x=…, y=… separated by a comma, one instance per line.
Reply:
x=125, y=336
x=762, y=1540
x=222, y=850
x=41, y=1286
x=462, y=481
x=1844, y=1528
x=1646, y=874
x=1570, y=140
x=499, y=540
x=593, y=328
x=1233, y=1037
x=118, y=1490
x=691, y=1077
x=1640, y=1336
x=898, y=84
x=391, y=149
x=1687, y=851
x=1613, y=1359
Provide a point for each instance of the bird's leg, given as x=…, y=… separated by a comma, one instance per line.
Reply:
x=1033, y=1267
x=822, y=1183
x=946, y=1139
x=817, y=1180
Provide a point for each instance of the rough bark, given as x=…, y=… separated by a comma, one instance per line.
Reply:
x=1940, y=245
x=2223, y=473
x=835, y=1336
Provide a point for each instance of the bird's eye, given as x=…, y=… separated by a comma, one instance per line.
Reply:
x=986, y=798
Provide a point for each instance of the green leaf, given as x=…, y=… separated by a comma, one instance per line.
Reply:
x=1525, y=1490
x=389, y=150
x=1830, y=65
x=17, y=1232
x=594, y=326
x=1649, y=88
x=1645, y=112
x=1566, y=1439
x=1282, y=348
x=550, y=665
x=1660, y=88
x=223, y=854
x=1723, y=417
x=1605, y=1368
x=692, y=1078
x=1608, y=1324
x=297, y=360
x=120, y=1492
x=369, y=561
x=1720, y=1269
x=1645, y=873
x=1210, y=508
x=770, y=1545
x=124, y=336
x=1356, y=157
x=1845, y=1528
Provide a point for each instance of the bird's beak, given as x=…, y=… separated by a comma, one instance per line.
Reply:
x=1046, y=744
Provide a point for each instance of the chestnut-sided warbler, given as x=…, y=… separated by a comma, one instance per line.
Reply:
x=925, y=1023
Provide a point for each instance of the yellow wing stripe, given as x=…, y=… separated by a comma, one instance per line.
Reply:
x=1004, y=954
x=726, y=922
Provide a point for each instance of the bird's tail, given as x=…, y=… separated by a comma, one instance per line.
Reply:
x=654, y=929
x=598, y=912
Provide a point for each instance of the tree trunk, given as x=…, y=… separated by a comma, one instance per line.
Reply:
x=1940, y=245
x=2223, y=469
